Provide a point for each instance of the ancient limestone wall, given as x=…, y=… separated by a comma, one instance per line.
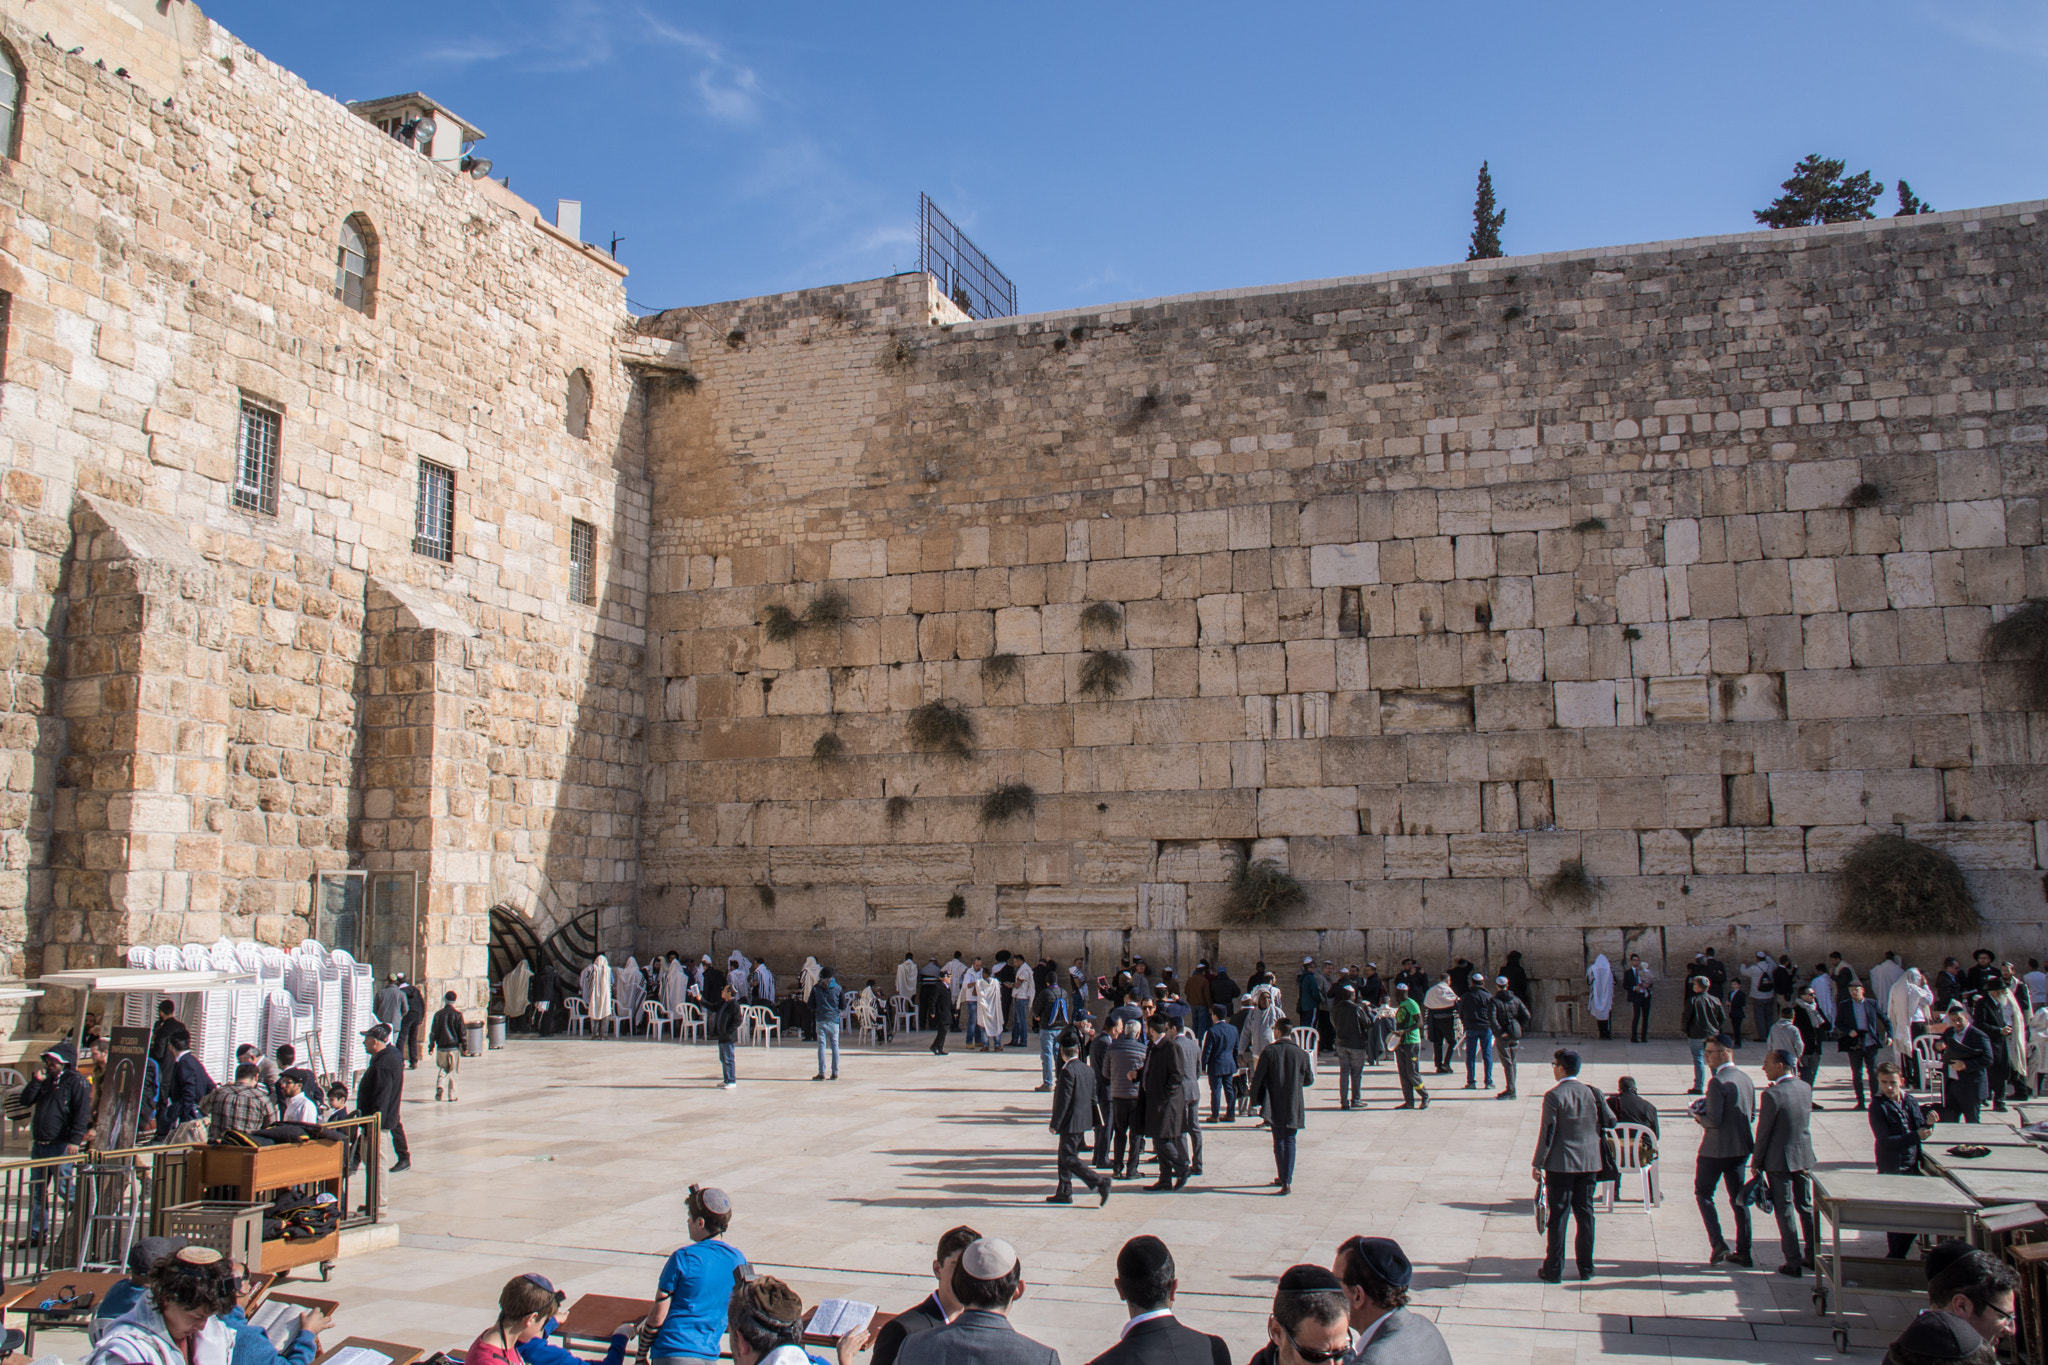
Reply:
x=1674, y=558
x=203, y=704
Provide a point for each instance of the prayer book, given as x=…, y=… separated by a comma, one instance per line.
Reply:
x=278, y=1320
x=836, y=1318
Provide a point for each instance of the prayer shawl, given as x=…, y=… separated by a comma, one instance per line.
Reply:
x=955, y=973
x=597, y=988
x=1600, y=988
x=988, y=1006
x=2016, y=1050
x=1257, y=1033
x=906, y=978
x=1027, y=985
x=518, y=986
x=1824, y=995
x=630, y=989
x=812, y=971
x=140, y=1338
x=969, y=979
x=764, y=983
x=675, y=987
x=2037, y=1043
x=1883, y=977
x=1910, y=1002
x=740, y=972
x=867, y=1011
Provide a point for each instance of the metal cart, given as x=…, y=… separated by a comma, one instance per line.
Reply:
x=1866, y=1201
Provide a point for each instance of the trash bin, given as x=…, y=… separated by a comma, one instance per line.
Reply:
x=497, y=1030
x=473, y=1043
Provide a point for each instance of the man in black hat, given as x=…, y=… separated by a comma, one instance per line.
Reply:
x=381, y=1091
x=62, y=1100
x=1310, y=1323
x=1152, y=1335
x=410, y=1023
x=1073, y=1114
x=1937, y=1338
x=1376, y=1276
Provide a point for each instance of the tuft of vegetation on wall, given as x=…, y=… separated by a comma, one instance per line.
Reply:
x=1895, y=885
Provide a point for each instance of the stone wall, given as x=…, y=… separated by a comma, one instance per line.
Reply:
x=205, y=706
x=1676, y=559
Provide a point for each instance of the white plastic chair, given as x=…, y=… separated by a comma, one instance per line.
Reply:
x=903, y=1012
x=690, y=1023
x=1308, y=1040
x=1927, y=1054
x=658, y=1019
x=1630, y=1160
x=617, y=1024
x=869, y=1018
x=579, y=1014
x=763, y=1026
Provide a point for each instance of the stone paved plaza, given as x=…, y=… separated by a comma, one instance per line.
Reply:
x=571, y=1158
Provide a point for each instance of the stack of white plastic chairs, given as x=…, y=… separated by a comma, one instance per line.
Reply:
x=358, y=993
x=302, y=979
x=138, y=1010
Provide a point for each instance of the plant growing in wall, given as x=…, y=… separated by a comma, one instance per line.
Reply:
x=1864, y=495
x=781, y=624
x=1101, y=616
x=1570, y=885
x=897, y=356
x=956, y=906
x=1587, y=524
x=1104, y=673
x=2023, y=638
x=942, y=726
x=1007, y=802
x=829, y=748
x=999, y=668
x=765, y=894
x=826, y=609
x=1897, y=886
x=896, y=809
x=1260, y=892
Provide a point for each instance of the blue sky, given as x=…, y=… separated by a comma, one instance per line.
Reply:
x=1107, y=152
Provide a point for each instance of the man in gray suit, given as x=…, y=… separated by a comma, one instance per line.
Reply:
x=1784, y=1155
x=1567, y=1161
x=1376, y=1275
x=1726, y=1114
x=986, y=1281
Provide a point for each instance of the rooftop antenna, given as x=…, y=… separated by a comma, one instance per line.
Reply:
x=616, y=239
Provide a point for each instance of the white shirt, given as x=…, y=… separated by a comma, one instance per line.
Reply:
x=299, y=1109
x=1358, y=1346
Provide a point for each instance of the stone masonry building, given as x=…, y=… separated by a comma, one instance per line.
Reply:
x=1675, y=559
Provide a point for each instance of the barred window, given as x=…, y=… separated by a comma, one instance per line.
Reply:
x=353, y=260
x=582, y=563
x=433, y=521
x=578, y=405
x=255, y=487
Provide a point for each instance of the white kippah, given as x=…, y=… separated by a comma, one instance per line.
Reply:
x=991, y=1258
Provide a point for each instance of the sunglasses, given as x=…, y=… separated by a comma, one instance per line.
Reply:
x=1316, y=1357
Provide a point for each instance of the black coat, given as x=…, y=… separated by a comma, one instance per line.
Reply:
x=1896, y=1125
x=446, y=1032
x=1628, y=1108
x=382, y=1087
x=725, y=1021
x=63, y=1108
x=188, y=1084
x=1969, y=1046
x=1073, y=1099
x=1284, y=1070
x=922, y=1318
x=1164, y=1087
x=1165, y=1341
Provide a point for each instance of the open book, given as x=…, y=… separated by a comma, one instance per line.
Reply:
x=836, y=1318
x=278, y=1320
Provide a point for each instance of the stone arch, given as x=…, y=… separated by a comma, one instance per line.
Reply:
x=576, y=404
x=355, y=264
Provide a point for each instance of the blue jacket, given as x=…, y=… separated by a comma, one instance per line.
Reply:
x=252, y=1344
x=541, y=1351
x=828, y=1002
x=1219, y=1049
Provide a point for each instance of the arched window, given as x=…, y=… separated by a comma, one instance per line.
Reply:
x=355, y=263
x=10, y=105
x=579, y=405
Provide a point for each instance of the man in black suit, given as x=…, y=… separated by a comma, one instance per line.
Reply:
x=1567, y=1161
x=1163, y=1091
x=1726, y=1114
x=1277, y=1082
x=1966, y=1064
x=1073, y=1114
x=988, y=1279
x=939, y=1306
x=1861, y=1028
x=1153, y=1335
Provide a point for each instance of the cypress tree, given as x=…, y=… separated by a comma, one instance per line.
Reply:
x=1911, y=203
x=1486, y=221
x=1817, y=192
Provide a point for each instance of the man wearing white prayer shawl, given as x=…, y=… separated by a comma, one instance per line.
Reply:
x=629, y=989
x=967, y=996
x=1600, y=994
x=1883, y=977
x=597, y=990
x=808, y=978
x=988, y=1011
x=518, y=984
x=906, y=978
x=675, y=986
x=764, y=983
x=1824, y=993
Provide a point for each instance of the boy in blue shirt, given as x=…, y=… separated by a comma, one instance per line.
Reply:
x=687, y=1323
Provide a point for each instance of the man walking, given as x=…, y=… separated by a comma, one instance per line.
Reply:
x=1164, y=1099
x=1784, y=1155
x=1073, y=1114
x=1965, y=1064
x=1567, y=1162
x=1862, y=1029
x=1348, y=1020
x=1408, y=1048
x=413, y=1021
x=1703, y=1020
x=1284, y=1070
x=1475, y=1012
x=1510, y=1018
x=446, y=1038
x=1725, y=1145
x=1191, y=1091
x=1127, y=1050
x=381, y=1092
x=1219, y=1064
x=1153, y=1336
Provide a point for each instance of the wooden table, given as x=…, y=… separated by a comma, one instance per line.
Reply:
x=2002, y=1187
x=2030, y=1159
x=594, y=1317
x=1882, y=1203
x=24, y=1297
x=400, y=1355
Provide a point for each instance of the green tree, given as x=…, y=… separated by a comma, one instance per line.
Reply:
x=1911, y=203
x=1818, y=193
x=1486, y=221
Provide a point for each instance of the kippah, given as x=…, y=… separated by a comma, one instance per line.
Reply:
x=991, y=1258
x=197, y=1256
x=713, y=1200
x=1939, y=1336
x=1385, y=1259
x=1309, y=1279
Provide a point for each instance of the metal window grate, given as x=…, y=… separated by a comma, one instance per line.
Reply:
x=966, y=276
x=582, y=563
x=352, y=268
x=433, y=521
x=256, y=459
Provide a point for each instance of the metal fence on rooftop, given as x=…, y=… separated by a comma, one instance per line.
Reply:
x=964, y=274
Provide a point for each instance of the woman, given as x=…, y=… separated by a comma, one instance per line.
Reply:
x=1600, y=994
x=177, y=1320
x=1900, y=1126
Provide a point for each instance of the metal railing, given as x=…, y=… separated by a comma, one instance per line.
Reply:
x=965, y=275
